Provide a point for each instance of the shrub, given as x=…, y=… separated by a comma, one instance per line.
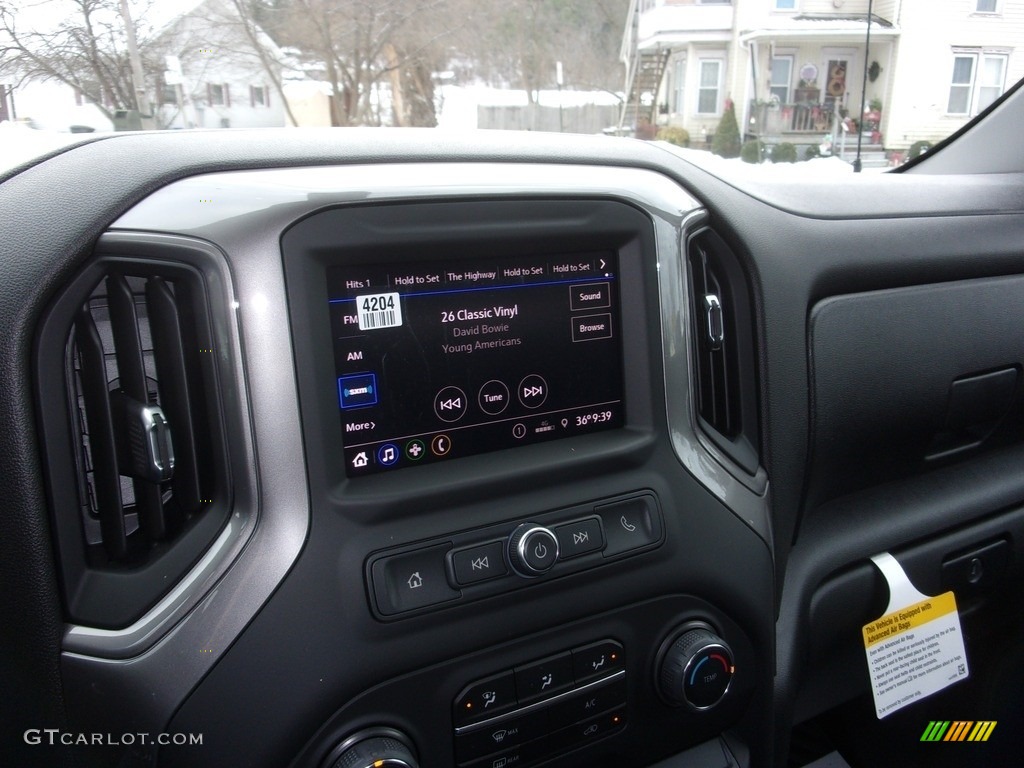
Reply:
x=812, y=151
x=919, y=148
x=673, y=135
x=727, y=135
x=784, y=153
x=751, y=152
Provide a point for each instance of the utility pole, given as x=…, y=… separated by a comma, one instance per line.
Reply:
x=863, y=93
x=558, y=79
x=138, y=76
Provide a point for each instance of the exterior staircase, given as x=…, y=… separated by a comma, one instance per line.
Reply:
x=642, y=84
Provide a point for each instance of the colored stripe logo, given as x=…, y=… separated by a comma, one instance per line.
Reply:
x=958, y=730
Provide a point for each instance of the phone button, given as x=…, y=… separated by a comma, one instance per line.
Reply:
x=630, y=524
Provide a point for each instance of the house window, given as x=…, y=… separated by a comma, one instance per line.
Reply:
x=986, y=6
x=781, y=77
x=166, y=93
x=218, y=95
x=978, y=80
x=785, y=5
x=678, y=85
x=259, y=96
x=710, y=84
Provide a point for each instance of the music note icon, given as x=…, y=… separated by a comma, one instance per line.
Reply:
x=387, y=454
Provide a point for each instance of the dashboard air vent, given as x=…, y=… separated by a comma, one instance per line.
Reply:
x=725, y=377
x=144, y=487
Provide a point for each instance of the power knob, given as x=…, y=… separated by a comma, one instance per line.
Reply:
x=532, y=550
x=696, y=668
x=373, y=748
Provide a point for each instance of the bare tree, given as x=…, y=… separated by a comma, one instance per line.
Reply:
x=86, y=49
x=359, y=44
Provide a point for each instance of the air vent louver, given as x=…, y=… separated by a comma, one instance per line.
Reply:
x=722, y=327
x=147, y=469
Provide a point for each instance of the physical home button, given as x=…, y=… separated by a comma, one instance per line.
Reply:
x=412, y=580
x=485, y=698
x=473, y=564
x=544, y=678
x=579, y=537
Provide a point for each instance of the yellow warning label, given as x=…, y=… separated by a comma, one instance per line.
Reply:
x=908, y=618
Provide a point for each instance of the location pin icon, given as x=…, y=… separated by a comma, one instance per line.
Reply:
x=565, y=423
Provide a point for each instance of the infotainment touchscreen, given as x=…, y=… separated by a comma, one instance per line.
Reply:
x=437, y=360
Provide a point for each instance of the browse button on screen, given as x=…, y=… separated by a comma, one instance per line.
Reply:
x=591, y=327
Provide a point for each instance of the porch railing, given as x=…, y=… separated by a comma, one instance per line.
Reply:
x=775, y=118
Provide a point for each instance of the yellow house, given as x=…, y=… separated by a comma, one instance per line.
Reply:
x=795, y=68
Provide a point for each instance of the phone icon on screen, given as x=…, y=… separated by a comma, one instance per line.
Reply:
x=626, y=524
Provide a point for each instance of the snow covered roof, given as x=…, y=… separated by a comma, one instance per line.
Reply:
x=812, y=26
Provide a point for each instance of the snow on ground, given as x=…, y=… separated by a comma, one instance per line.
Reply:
x=19, y=143
x=459, y=102
x=820, y=167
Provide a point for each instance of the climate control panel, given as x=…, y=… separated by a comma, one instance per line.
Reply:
x=538, y=709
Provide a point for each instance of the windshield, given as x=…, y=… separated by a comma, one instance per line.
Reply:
x=798, y=86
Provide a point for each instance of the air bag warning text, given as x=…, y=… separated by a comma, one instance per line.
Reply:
x=914, y=651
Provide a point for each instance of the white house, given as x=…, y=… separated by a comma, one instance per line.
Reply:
x=214, y=78
x=789, y=65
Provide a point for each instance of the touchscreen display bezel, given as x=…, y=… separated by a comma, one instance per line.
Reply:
x=442, y=359
x=424, y=231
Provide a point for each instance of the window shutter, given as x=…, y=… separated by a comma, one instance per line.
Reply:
x=227, y=95
x=209, y=94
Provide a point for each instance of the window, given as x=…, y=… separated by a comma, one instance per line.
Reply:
x=781, y=77
x=977, y=81
x=259, y=96
x=990, y=80
x=166, y=93
x=678, y=85
x=987, y=6
x=707, y=91
x=785, y=5
x=218, y=95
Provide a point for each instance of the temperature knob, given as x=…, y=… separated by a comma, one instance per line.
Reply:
x=696, y=669
x=532, y=550
x=373, y=748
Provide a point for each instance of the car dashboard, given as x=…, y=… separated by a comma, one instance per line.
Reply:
x=370, y=449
